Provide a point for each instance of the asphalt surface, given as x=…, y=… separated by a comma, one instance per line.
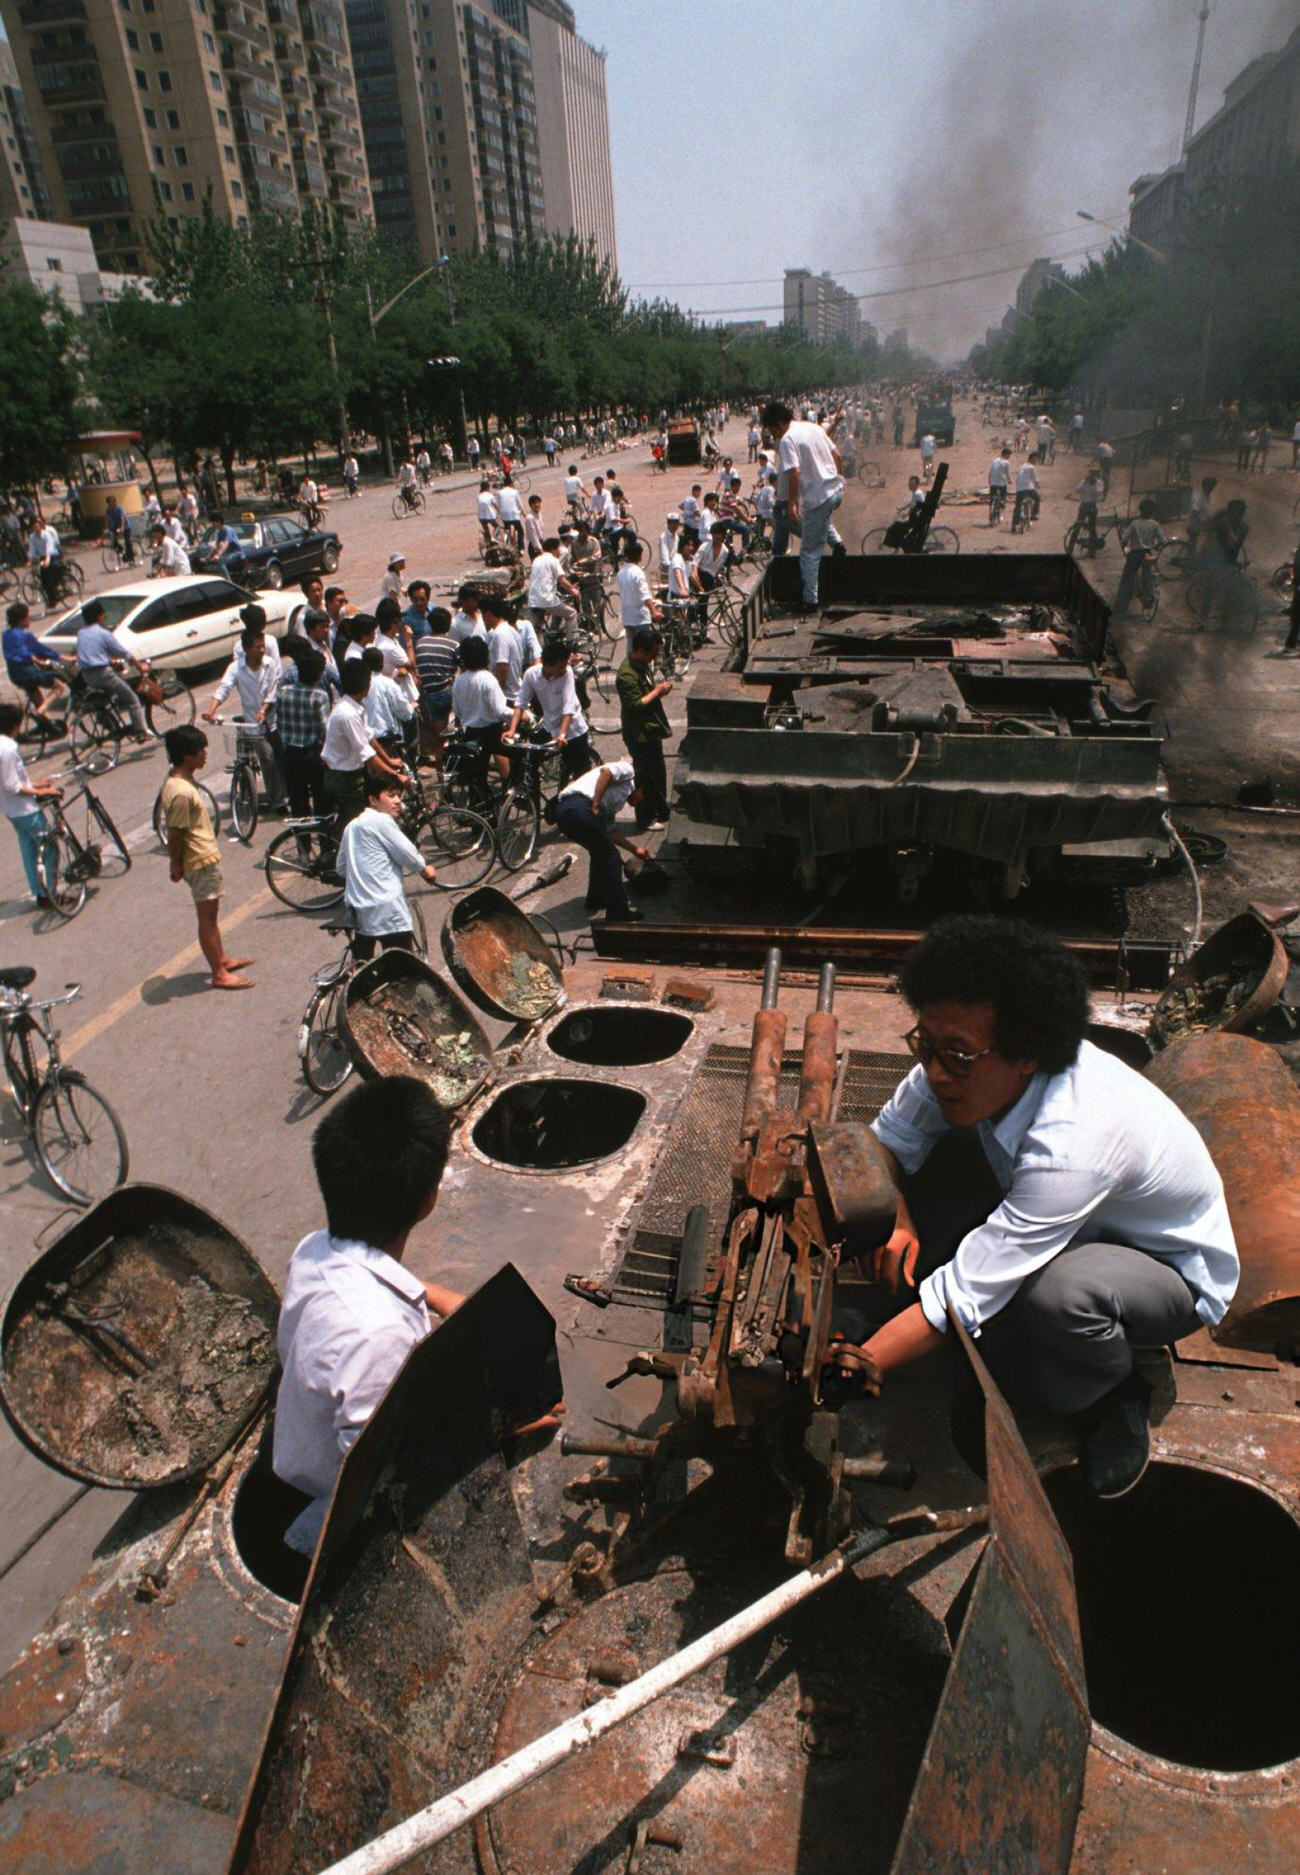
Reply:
x=208, y=1086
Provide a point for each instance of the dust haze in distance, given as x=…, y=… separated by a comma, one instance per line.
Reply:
x=1045, y=107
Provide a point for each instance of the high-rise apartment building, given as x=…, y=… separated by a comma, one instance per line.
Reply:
x=152, y=110
x=823, y=310
x=24, y=192
x=485, y=123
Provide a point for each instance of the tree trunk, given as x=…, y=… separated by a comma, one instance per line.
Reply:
x=228, y=470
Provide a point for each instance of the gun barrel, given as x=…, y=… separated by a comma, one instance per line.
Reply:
x=771, y=978
x=826, y=990
x=821, y=1032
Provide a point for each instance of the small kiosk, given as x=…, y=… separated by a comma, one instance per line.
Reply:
x=103, y=464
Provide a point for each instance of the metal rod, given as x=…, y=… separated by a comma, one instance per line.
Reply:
x=572, y=1446
x=400, y=1845
x=826, y=990
x=771, y=979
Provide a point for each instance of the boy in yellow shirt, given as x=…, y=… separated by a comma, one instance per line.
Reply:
x=195, y=855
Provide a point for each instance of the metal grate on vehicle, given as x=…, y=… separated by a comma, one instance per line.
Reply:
x=696, y=1166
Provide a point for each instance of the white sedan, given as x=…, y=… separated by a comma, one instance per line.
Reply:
x=177, y=623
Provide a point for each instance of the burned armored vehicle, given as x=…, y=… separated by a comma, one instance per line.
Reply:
x=941, y=712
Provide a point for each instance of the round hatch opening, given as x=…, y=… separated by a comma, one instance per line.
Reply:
x=1187, y=1605
x=620, y=1036
x=547, y=1126
x=263, y=1509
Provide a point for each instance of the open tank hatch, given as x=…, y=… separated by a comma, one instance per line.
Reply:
x=263, y=1508
x=1187, y=1605
x=547, y=1126
x=620, y=1036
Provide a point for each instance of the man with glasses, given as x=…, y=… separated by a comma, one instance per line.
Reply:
x=1052, y=1199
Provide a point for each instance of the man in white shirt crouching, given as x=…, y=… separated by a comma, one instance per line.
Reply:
x=351, y=1312
x=1053, y=1200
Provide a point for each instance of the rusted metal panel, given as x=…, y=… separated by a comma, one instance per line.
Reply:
x=137, y=1347
x=1229, y=983
x=1241, y=1099
x=399, y=1017
x=855, y=1195
x=97, y=1823
x=1139, y=966
x=999, y=1789
x=500, y=958
x=422, y=1570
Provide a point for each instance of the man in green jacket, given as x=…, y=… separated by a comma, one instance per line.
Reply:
x=645, y=726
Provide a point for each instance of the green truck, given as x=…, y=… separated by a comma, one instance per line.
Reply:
x=934, y=417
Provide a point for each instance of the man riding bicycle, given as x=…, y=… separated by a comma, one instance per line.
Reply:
x=101, y=658
x=28, y=662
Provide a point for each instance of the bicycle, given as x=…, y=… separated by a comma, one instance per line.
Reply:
x=245, y=771
x=322, y=1053
x=407, y=501
x=112, y=550
x=301, y=862
x=724, y=607
x=1225, y=594
x=679, y=632
x=871, y=475
x=997, y=504
x=1079, y=541
x=210, y=802
x=66, y=588
x=1177, y=559
x=97, y=723
x=471, y=783
x=67, y=860
x=937, y=540
x=78, y=1138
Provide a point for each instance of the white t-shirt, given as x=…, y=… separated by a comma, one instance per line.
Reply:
x=634, y=595
x=487, y=505
x=505, y=646
x=1026, y=477
x=347, y=745
x=621, y=782
x=463, y=626
x=999, y=473
x=668, y=546
x=13, y=776
x=806, y=447
x=603, y=506
x=543, y=588
x=508, y=504
x=927, y=447
x=573, y=488
x=478, y=700
x=373, y=855
x=556, y=698
x=679, y=578
x=711, y=559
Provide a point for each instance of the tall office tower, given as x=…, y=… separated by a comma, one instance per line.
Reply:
x=572, y=128
x=492, y=183
x=152, y=111
x=396, y=69
x=24, y=192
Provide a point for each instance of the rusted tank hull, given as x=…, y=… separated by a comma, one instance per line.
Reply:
x=1240, y=1097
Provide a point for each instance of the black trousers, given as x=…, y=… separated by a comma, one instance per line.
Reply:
x=578, y=821
x=304, y=781
x=363, y=948
x=651, y=771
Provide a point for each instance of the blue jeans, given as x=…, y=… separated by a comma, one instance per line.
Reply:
x=782, y=528
x=31, y=830
x=817, y=530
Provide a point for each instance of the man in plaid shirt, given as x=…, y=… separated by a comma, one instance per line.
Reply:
x=304, y=710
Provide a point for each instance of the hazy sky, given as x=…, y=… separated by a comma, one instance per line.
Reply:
x=893, y=145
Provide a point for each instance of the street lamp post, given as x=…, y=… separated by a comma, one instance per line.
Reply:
x=1126, y=233
x=387, y=307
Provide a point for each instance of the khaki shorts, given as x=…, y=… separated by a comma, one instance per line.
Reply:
x=205, y=883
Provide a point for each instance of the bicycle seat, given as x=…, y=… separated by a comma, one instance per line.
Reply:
x=17, y=977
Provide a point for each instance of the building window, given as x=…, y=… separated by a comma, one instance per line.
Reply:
x=164, y=81
x=237, y=191
x=209, y=44
x=223, y=118
x=133, y=39
x=187, y=191
x=54, y=264
x=165, y=191
x=214, y=79
x=155, y=42
x=227, y=150
x=150, y=118
x=180, y=156
x=158, y=156
x=173, y=120
x=141, y=79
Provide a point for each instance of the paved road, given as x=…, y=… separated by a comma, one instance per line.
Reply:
x=207, y=1085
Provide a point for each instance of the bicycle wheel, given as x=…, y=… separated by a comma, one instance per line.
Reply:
x=942, y=540
x=243, y=803
x=214, y=811
x=300, y=869
x=1283, y=579
x=417, y=501
x=873, y=541
x=326, y=1063
x=401, y=508
x=109, y=558
x=78, y=1138
x=95, y=737
x=871, y=476
x=1149, y=599
x=108, y=827
x=459, y=844
x=177, y=707
x=1174, y=560
x=730, y=619
x=517, y=828
x=522, y=480
x=54, y=855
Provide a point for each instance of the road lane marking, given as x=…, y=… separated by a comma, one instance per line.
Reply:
x=130, y=999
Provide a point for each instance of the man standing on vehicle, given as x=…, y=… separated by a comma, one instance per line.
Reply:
x=98, y=655
x=645, y=725
x=815, y=488
x=194, y=853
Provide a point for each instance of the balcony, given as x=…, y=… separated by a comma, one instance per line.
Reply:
x=70, y=81
x=50, y=12
x=226, y=20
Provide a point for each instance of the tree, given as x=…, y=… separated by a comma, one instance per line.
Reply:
x=39, y=384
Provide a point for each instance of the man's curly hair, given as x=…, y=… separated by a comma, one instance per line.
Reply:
x=1037, y=991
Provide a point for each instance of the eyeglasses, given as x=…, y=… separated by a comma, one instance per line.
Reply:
x=954, y=1061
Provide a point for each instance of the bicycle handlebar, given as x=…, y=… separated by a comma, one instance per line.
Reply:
x=21, y=1001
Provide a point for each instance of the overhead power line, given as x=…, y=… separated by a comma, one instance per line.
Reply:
x=891, y=292
x=854, y=273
